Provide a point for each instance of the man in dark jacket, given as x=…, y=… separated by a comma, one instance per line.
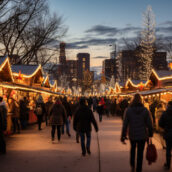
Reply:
x=165, y=122
x=137, y=118
x=82, y=124
x=3, y=125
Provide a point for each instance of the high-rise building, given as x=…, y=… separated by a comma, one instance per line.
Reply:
x=83, y=65
x=108, y=68
x=62, y=57
x=71, y=71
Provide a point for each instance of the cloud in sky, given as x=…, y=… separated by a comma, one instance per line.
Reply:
x=166, y=23
x=100, y=57
x=110, y=35
x=90, y=42
x=111, y=31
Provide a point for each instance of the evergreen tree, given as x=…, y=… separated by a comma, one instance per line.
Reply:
x=147, y=44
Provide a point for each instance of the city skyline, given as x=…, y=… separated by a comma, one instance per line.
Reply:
x=93, y=26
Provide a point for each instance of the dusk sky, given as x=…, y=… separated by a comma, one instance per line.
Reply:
x=93, y=25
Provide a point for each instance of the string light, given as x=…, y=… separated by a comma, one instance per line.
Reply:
x=29, y=76
x=6, y=61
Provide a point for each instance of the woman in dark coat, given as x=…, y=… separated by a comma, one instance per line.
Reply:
x=57, y=118
x=138, y=120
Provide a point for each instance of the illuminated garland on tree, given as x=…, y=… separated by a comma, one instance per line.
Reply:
x=147, y=42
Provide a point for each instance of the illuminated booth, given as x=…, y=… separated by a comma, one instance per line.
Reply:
x=6, y=77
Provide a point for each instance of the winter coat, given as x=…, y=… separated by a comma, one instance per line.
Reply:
x=138, y=120
x=3, y=116
x=83, y=119
x=58, y=115
x=49, y=106
x=165, y=122
x=24, y=110
x=100, y=109
x=67, y=108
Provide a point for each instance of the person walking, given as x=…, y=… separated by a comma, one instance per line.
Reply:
x=100, y=109
x=69, y=116
x=40, y=111
x=15, y=114
x=82, y=124
x=57, y=118
x=24, y=112
x=48, y=106
x=3, y=125
x=137, y=118
x=165, y=122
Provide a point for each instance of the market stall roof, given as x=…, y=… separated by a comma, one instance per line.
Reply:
x=122, y=84
x=162, y=74
x=136, y=82
x=53, y=83
x=5, y=70
x=117, y=88
x=46, y=82
x=149, y=92
x=26, y=70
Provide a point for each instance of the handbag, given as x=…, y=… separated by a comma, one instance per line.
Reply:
x=151, y=153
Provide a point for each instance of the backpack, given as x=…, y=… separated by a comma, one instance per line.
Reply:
x=39, y=110
x=151, y=153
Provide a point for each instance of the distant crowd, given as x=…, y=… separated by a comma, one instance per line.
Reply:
x=140, y=119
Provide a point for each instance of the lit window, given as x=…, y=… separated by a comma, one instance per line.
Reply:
x=83, y=65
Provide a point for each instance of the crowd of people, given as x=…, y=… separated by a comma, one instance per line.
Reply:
x=140, y=119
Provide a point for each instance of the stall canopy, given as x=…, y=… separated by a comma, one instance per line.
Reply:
x=28, y=74
x=161, y=78
x=135, y=84
x=5, y=70
x=46, y=82
x=53, y=85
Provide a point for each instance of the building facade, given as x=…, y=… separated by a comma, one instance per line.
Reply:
x=83, y=64
x=71, y=71
x=129, y=60
x=108, y=68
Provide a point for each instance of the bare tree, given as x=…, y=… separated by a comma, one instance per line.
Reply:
x=30, y=31
x=132, y=44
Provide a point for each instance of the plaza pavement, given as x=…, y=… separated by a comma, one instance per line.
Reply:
x=33, y=151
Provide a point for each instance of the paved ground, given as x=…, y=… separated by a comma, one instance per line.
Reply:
x=33, y=150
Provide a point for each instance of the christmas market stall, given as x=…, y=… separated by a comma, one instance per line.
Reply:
x=6, y=77
x=135, y=85
x=29, y=79
x=46, y=85
x=53, y=85
x=162, y=80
